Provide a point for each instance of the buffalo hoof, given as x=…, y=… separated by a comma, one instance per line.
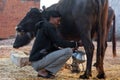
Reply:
x=75, y=71
x=101, y=76
x=85, y=76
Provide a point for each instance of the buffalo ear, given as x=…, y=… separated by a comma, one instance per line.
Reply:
x=31, y=8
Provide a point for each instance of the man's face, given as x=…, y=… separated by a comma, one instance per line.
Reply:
x=55, y=20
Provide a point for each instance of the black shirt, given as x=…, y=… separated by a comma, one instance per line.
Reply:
x=47, y=41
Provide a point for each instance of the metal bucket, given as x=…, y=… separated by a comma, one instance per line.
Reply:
x=80, y=56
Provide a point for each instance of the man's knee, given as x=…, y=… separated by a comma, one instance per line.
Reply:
x=68, y=51
x=35, y=66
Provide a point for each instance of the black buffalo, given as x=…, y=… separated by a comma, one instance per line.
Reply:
x=28, y=32
x=80, y=20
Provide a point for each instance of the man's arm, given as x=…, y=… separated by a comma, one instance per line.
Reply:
x=57, y=40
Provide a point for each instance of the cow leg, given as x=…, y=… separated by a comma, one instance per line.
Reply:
x=102, y=44
x=89, y=48
x=99, y=64
x=95, y=64
x=100, y=59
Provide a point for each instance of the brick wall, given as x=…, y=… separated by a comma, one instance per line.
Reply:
x=11, y=14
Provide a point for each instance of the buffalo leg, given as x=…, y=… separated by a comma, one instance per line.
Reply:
x=99, y=64
x=89, y=48
x=101, y=46
x=95, y=64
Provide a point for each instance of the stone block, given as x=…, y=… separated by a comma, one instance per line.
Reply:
x=19, y=58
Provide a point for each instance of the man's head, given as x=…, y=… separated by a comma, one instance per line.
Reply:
x=54, y=17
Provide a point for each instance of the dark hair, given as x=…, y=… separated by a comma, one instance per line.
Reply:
x=53, y=13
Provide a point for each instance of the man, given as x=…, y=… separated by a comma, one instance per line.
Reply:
x=45, y=56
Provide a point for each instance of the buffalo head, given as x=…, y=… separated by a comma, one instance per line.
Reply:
x=26, y=28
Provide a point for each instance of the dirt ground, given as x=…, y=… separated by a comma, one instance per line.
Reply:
x=9, y=71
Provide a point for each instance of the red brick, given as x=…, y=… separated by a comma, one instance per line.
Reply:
x=13, y=12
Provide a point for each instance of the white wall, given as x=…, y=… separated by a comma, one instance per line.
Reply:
x=116, y=6
x=47, y=3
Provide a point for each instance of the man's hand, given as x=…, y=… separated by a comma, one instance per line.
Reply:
x=79, y=43
x=74, y=49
